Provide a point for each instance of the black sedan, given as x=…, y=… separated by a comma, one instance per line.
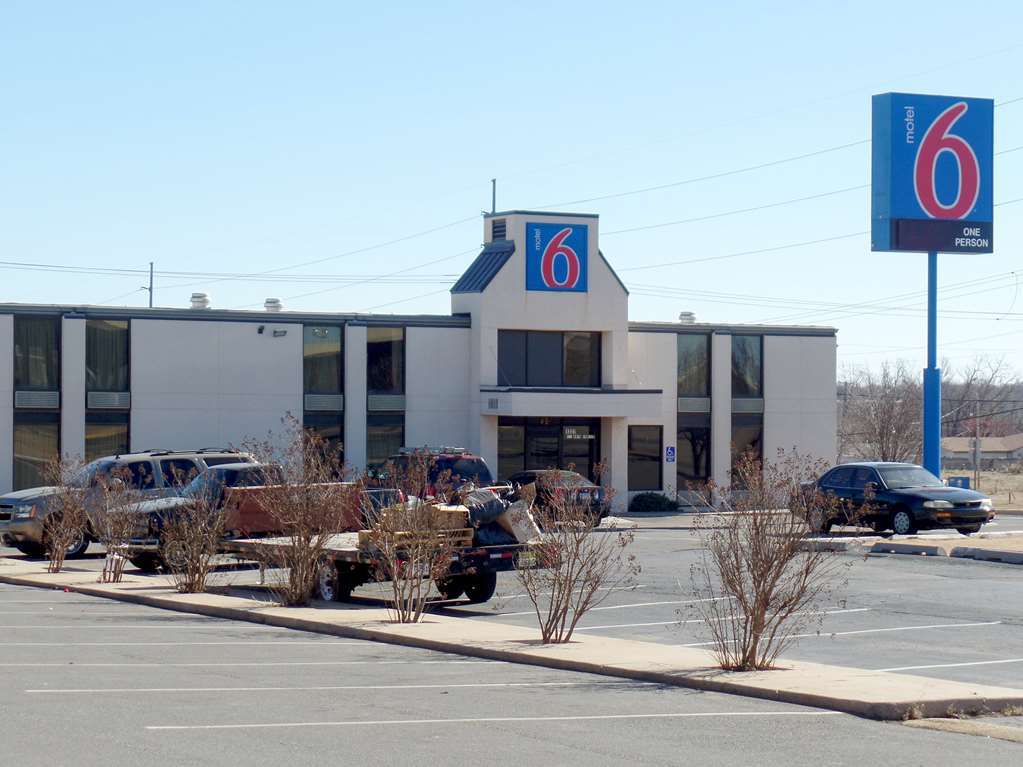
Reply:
x=550, y=482
x=901, y=497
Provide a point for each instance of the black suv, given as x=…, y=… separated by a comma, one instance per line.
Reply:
x=902, y=497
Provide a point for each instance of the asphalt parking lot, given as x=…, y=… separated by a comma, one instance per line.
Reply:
x=948, y=618
x=93, y=682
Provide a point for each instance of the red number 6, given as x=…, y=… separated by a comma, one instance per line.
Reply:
x=556, y=247
x=936, y=140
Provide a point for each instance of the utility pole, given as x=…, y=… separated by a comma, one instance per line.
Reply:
x=150, y=288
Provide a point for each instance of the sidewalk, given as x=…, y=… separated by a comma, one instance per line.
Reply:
x=872, y=694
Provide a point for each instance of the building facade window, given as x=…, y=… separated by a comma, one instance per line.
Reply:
x=747, y=437
x=323, y=378
x=106, y=433
x=645, y=457
x=36, y=353
x=692, y=454
x=107, y=365
x=548, y=358
x=322, y=362
x=548, y=443
x=693, y=365
x=385, y=436
x=36, y=443
x=747, y=366
x=385, y=360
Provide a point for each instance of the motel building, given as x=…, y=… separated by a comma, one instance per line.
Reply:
x=537, y=365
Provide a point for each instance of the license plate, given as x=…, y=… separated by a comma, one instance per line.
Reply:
x=527, y=559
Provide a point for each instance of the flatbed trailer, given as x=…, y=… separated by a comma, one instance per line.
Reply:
x=347, y=565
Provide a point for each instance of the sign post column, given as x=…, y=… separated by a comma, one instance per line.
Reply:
x=932, y=375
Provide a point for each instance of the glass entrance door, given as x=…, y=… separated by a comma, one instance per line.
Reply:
x=548, y=443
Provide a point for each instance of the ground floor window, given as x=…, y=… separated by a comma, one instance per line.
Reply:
x=548, y=443
x=385, y=435
x=645, y=457
x=329, y=427
x=747, y=436
x=106, y=434
x=36, y=443
x=692, y=453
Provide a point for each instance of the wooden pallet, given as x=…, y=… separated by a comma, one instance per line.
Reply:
x=456, y=539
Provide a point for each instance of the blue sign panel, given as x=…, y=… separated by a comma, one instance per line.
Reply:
x=556, y=257
x=931, y=173
x=669, y=454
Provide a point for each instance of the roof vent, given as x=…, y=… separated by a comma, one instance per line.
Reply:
x=200, y=301
x=272, y=305
x=686, y=318
x=499, y=229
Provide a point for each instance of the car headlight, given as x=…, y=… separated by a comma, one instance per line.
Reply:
x=24, y=512
x=986, y=505
x=937, y=505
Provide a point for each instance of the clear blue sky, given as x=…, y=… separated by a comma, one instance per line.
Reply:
x=245, y=137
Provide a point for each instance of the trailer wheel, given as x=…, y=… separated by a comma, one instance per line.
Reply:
x=451, y=587
x=327, y=587
x=479, y=588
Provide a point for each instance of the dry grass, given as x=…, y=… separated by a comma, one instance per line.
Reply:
x=1005, y=489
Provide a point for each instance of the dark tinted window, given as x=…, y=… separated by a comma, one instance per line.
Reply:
x=692, y=450
x=321, y=359
x=467, y=469
x=385, y=434
x=747, y=436
x=747, y=366
x=511, y=357
x=178, y=472
x=861, y=476
x=221, y=460
x=36, y=354
x=36, y=442
x=385, y=360
x=693, y=365
x=582, y=359
x=511, y=447
x=543, y=359
x=138, y=474
x=106, y=355
x=644, y=458
x=105, y=434
x=840, y=477
x=909, y=476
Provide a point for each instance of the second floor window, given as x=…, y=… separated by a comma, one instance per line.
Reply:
x=36, y=353
x=693, y=365
x=545, y=358
x=385, y=360
x=321, y=359
x=106, y=355
x=747, y=366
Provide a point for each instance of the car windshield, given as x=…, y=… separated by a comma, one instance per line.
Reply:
x=466, y=469
x=86, y=475
x=898, y=477
x=205, y=485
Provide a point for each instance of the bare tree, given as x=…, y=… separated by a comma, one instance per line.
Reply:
x=189, y=539
x=414, y=540
x=115, y=519
x=307, y=506
x=985, y=385
x=757, y=586
x=881, y=414
x=65, y=523
x=578, y=566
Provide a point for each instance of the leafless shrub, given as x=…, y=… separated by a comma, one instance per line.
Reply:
x=578, y=566
x=115, y=520
x=189, y=540
x=307, y=506
x=65, y=523
x=415, y=539
x=757, y=586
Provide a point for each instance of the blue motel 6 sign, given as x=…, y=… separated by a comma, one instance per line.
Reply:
x=932, y=163
x=556, y=256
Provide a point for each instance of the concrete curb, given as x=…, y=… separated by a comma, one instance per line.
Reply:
x=988, y=555
x=712, y=680
x=969, y=727
x=884, y=547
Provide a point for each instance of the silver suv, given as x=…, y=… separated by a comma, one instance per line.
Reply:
x=154, y=473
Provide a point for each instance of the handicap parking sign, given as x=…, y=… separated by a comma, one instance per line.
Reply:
x=669, y=454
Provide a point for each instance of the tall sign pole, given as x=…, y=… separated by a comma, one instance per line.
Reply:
x=931, y=168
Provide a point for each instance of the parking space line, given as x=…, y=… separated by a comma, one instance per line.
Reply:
x=260, y=664
x=499, y=597
x=269, y=642
x=706, y=620
x=325, y=688
x=639, y=604
x=497, y=719
x=954, y=665
x=172, y=624
x=827, y=634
